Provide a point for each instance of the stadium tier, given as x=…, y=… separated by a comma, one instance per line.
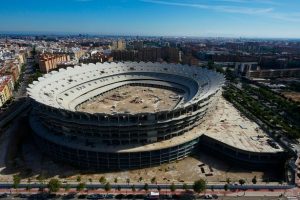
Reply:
x=122, y=115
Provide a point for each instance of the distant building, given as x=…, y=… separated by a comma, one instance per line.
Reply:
x=274, y=73
x=77, y=54
x=48, y=62
x=138, y=45
x=189, y=59
x=153, y=54
x=96, y=58
x=119, y=45
x=241, y=68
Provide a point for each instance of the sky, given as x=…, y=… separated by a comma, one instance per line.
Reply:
x=199, y=18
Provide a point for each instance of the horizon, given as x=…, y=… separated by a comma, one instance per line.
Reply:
x=256, y=19
x=75, y=34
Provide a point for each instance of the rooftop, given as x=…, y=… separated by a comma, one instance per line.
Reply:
x=229, y=126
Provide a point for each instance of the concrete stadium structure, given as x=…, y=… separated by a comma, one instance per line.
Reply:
x=120, y=140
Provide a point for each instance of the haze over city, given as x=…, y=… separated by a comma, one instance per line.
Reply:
x=198, y=18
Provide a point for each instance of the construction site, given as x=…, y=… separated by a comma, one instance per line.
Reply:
x=32, y=163
x=132, y=99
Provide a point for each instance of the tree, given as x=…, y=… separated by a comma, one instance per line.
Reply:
x=80, y=186
x=54, y=185
x=210, y=64
x=67, y=187
x=199, y=185
x=90, y=180
x=220, y=70
x=228, y=180
x=133, y=188
x=242, y=181
x=226, y=187
x=119, y=188
x=102, y=180
x=128, y=181
x=146, y=187
x=140, y=179
x=28, y=187
x=172, y=187
x=16, y=180
x=116, y=180
x=107, y=187
x=153, y=180
x=254, y=180
x=78, y=178
x=158, y=188
x=185, y=187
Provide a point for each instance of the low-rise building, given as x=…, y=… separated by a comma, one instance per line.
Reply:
x=6, y=89
x=48, y=62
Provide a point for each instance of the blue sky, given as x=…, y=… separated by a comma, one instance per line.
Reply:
x=229, y=18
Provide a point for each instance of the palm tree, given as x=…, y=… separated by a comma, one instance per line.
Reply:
x=146, y=187
x=172, y=187
x=80, y=187
x=133, y=188
x=78, y=179
x=102, y=180
x=54, y=185
x=107, y=187
x=17, y=181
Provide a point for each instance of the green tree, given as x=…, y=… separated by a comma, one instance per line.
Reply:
x=185, y=187
x=102, y=180
x=242, y=181
x=228, y=180
x=16, y=180
x=116, y=180
x=254, y=180
x=140, y=179
x=107, y=187
x=146, y=187
x=210, y=64
x=119, y=188
x=158, y=188
x=153, y=180
x=28, y=187
x=90, y=180
x=128, y=181
x=54, y=185
x=226, y=187
x=133, y=188
x=172, y=187
x=80, y=187
x=199, y=185
x=78, y=179
x=67, y=187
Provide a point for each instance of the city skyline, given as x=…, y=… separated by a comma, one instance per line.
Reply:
x=195, y=18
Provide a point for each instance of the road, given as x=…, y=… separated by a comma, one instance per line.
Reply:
x=20, y=102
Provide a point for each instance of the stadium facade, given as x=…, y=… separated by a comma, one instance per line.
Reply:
x=120, y=140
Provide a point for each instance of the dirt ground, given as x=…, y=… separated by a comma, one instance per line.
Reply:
x=137, y=98
x=295, y=96
x=187, y=170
